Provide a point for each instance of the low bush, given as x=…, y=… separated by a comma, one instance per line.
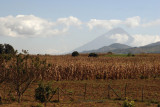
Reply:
x=130, y=54
x=75, y=53
x=44, y=93
x=127, y=103
x=93, y=55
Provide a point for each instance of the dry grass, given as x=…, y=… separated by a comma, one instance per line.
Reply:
x=86, y=68
x=71, y=73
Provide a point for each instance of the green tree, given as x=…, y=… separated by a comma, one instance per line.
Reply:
x=25, y=69
x=8, y=49
x=130, y=54
x=75, y=53
x=1, y=48
x=93, y=55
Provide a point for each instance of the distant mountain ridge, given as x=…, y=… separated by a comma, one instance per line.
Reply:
x=112, y=36
x=154, y=44
x=117, y=41
x=125, y=49
x=119, y=46
x=109, y=48
x=150, y=48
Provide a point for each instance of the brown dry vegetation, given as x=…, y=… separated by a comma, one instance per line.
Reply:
x=72, y=73
x=86, y=68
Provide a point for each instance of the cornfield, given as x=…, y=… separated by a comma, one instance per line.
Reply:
x=86, y=68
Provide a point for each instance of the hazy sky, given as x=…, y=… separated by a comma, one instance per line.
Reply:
x=58, y=26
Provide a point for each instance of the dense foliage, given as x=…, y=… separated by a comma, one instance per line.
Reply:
x=44, y=92
x=6, y=49
x=93, y=55
x=75, y=53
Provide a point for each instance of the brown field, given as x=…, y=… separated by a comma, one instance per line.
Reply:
x=84, y=81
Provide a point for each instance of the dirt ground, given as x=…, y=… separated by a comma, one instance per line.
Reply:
x=88, y=93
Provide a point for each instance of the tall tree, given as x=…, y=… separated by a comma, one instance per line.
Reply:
x=8, y=49
x=1, y=48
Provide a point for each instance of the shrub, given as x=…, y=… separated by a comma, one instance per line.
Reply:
x=93, y=55
x=126, y=103
x=110, y=53
x=130, y=54
x=75, y=53
x=12, y=98
x=44, y=93
x=39, y=105
x=143, y=77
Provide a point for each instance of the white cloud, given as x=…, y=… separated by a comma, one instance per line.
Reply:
x=152, y=23
x=132, y=22
x=55, y=51
x=52, y=51
x=32, y=26
x=141, y=40
x=120, y=38
x=69, y=21
x=107, y=24
x=26, y=26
